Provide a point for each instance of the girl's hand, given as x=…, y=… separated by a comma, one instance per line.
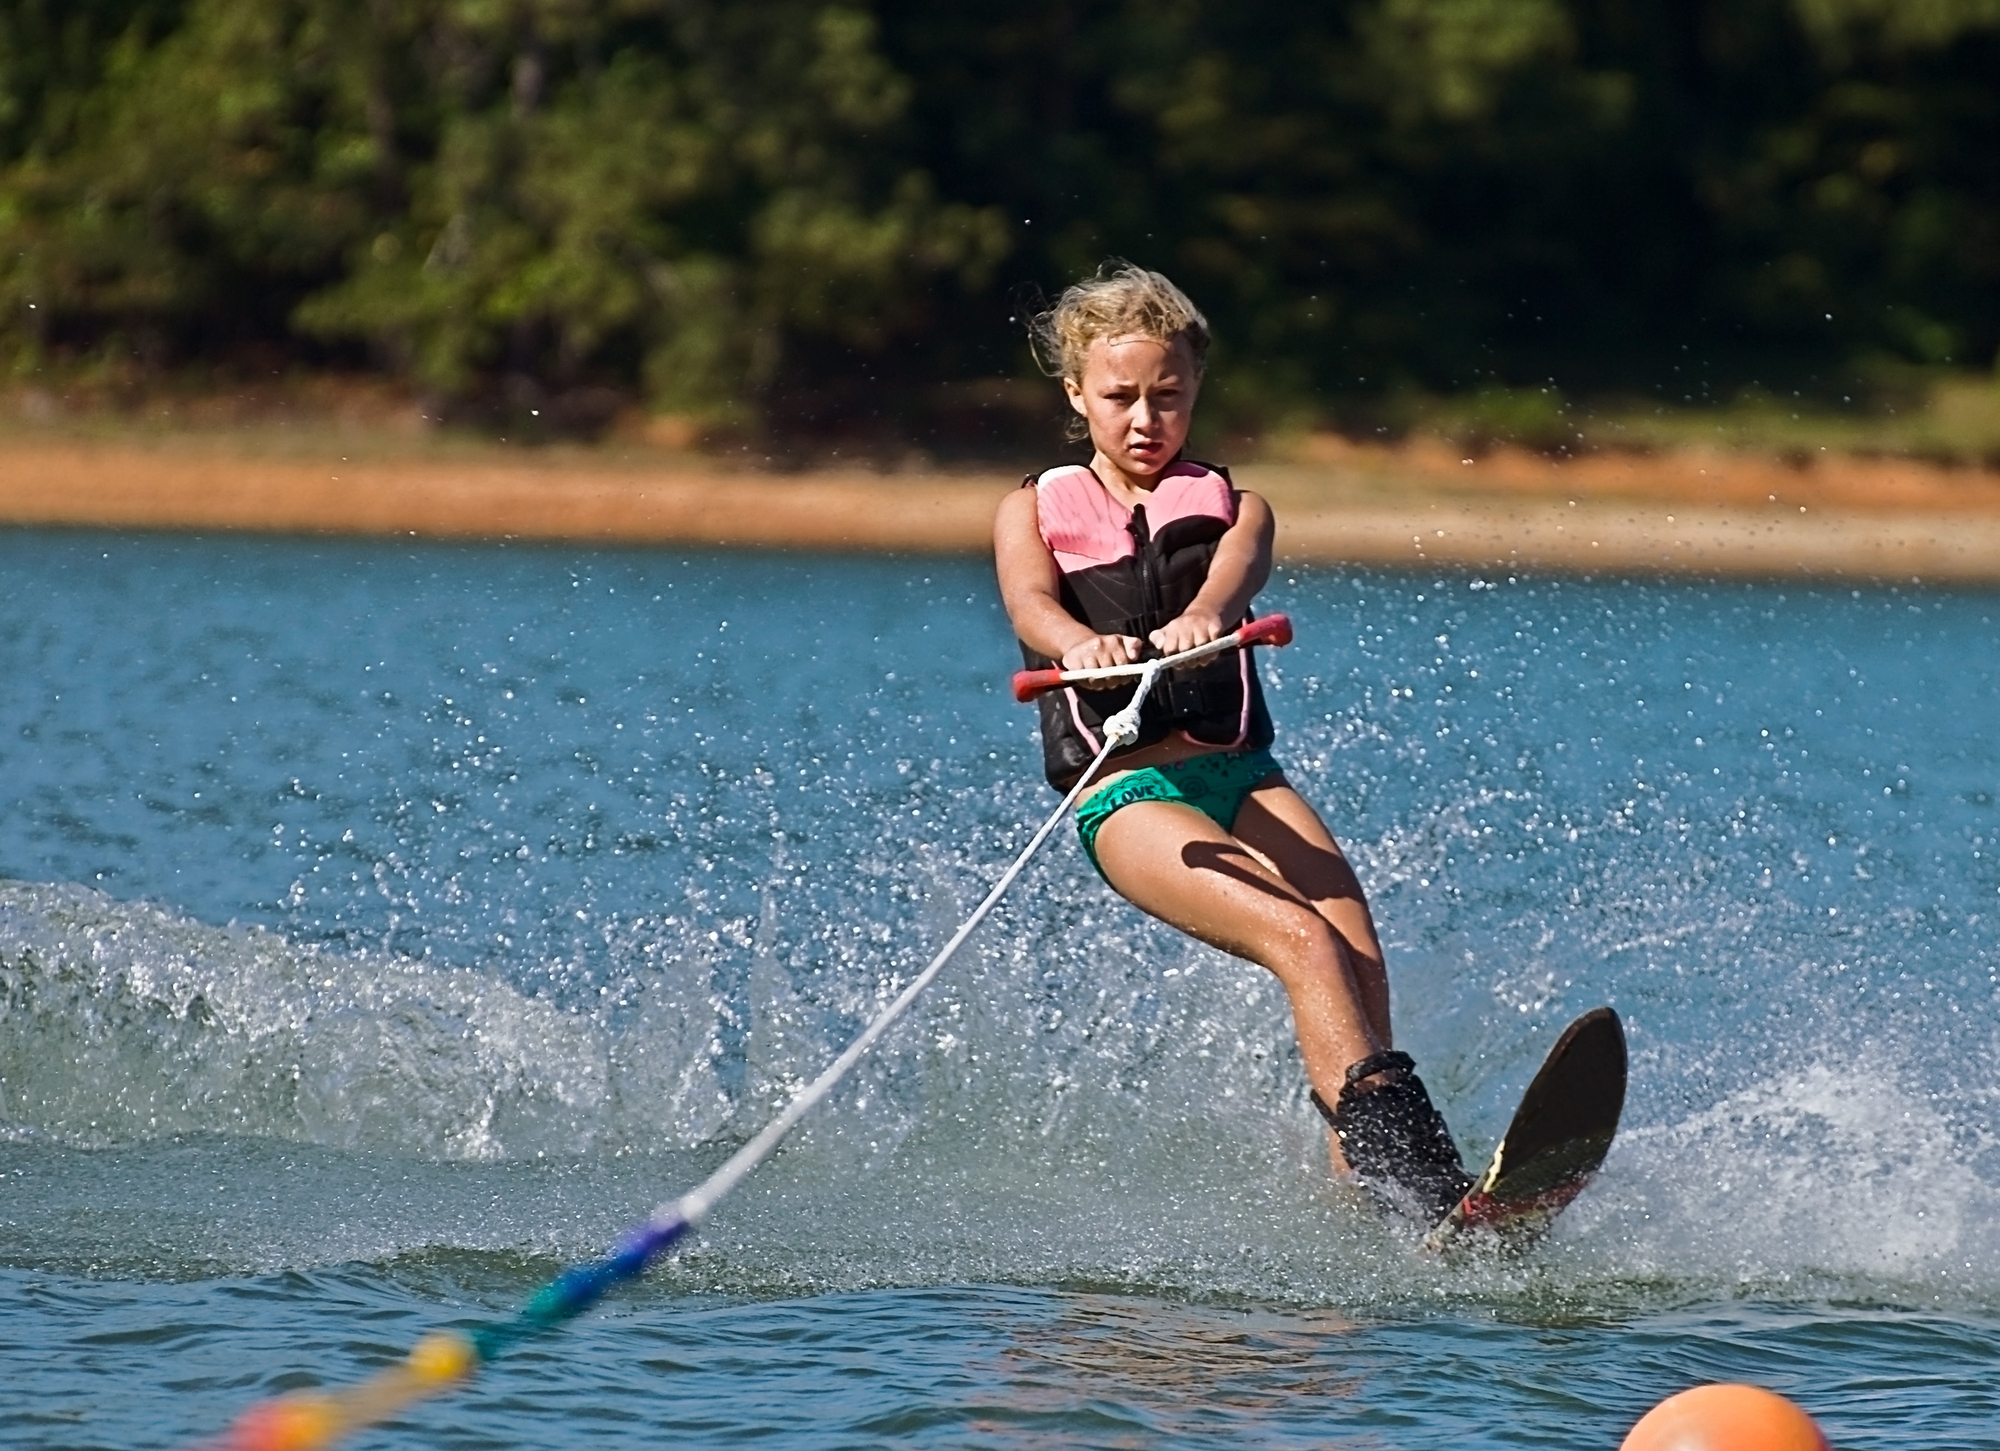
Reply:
x=1196, y=627
x=1100, y=652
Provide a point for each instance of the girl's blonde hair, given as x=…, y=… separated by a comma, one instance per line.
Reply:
x=1121, y=301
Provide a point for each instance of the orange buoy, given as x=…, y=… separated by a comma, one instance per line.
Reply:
x=1725, y=1418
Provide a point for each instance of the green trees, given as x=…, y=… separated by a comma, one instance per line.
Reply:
x=662, y=193
x=714, y=205
x=1459, y=193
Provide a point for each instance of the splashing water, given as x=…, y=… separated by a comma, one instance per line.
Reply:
x=479, y=919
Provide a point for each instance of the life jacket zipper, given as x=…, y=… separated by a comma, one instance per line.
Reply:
x=1149, y=595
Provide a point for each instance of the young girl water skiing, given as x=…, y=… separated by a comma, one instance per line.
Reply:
x=1143, y=553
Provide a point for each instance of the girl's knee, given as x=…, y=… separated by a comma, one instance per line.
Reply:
x=1310, y=947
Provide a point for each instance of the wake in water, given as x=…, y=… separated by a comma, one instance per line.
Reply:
x=124, y=1023
x=1153, y=1139
x=1828, y=1175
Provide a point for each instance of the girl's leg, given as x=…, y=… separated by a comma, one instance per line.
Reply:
x=1285, y=833
x=1172, y=861
x=1284, y=897
x=1396, y=1139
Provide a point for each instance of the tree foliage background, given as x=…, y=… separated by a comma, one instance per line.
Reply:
x=738, y=209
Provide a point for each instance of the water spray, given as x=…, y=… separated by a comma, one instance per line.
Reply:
x=309, y=1420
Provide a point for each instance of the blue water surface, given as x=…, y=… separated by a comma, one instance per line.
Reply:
x=385, y=926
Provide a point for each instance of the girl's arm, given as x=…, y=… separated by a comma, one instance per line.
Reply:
x=1240, y=568
x=1031, y=589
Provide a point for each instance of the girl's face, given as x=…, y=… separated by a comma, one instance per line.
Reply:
x=1138, y=397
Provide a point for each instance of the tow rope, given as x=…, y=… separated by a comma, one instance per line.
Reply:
x=308, y=1420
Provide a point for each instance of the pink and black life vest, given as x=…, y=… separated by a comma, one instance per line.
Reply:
x=1128, y=573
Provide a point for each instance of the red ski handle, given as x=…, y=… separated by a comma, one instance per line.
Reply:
x=1030, y=683
x=1270, y=630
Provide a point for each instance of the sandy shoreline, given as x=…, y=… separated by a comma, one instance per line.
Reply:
x=1499, y=513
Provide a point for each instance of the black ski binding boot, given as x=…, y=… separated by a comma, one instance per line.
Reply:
x=1395, y=1141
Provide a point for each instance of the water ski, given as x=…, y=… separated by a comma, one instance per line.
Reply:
x=1558, y=1138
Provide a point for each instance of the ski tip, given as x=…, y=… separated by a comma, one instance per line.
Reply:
x=1554, y=1144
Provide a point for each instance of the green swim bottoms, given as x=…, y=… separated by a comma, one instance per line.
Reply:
x=1214, y=784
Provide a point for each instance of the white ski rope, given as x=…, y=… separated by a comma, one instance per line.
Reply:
x=691, y=1208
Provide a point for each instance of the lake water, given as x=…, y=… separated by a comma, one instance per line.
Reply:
x=385, y=927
